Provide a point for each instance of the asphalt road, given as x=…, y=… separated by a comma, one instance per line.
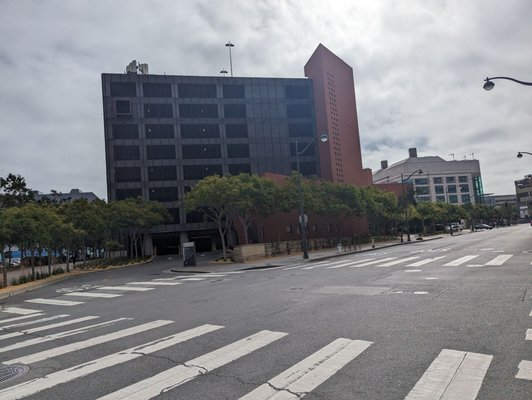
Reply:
x=442, y=319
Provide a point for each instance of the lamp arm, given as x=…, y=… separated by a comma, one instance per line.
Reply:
x=306, y=147
x=510, y=79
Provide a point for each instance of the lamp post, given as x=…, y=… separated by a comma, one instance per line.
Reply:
x=520, y=154
x=230, y=45
x=490, y=85
x=302, y=216
x=403, y=180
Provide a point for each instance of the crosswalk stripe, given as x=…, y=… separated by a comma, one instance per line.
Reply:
x=156, y=283
x=426, y=261
x=366, y=264
x=349, y=263
x=295, y=266
x=55, y=302
x=400, y=261
x=192, y=279
x=125, y=288
x=60, y=335
x=460, y=261
x=452, y=375
x=46, y=382
x=36, y=321
x=528, y=334
x=22, y=311
x=8, y=320
x=311, y=372
x=45, y=327
x=173, y=377
x=46, y=354
x=500, y=259
x=93, y=294
x=524, y=370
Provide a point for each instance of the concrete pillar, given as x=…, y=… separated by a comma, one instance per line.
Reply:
x=148, y=244
x=183, y=238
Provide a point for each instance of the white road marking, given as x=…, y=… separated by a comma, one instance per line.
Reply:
x=311, y=372
x=431, y=278
x=37, y=385
x=43, y=355
x=321, y=263
x=524, y=370
x=488, y=249
x=350, y=263
x=22, y=311
x=500, y=260
x=413, y=270
x=474, y=265
x=294, y=267
x=60, y=335
x=7, y=320
x=173, y=377
x=400, y=261
x=530, y=315
x=192, y=279
x=126, y=288
x=93, y=294
x=154, y=283
x=460, y=261
x=55, y=302
x=32, y=322
x=421, y=292
x=426, y=261
x=452, y=375
x=46, y=327
x=528, y=334
x=372, y=262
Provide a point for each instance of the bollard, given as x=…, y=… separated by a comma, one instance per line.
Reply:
x=372, y=243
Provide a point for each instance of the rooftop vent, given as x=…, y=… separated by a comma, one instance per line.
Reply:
x=384, y=164
x=412, y=153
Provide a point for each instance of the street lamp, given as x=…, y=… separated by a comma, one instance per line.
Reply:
x=403, y=180
x=490, y=85
x=520, y=154
x=302, y=216
x=230, y=45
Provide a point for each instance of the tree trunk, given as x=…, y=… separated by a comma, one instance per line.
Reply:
x=33, y=263
x=49, y=262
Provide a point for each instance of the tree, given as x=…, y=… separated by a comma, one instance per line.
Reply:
x=13, y=191
x=381, y=208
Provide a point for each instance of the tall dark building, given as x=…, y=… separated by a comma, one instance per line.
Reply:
x=163, y=133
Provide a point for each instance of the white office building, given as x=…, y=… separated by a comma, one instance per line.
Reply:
x=435, y=179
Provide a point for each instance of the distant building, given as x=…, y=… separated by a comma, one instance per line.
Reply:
x=523, y=191
x=454, y=182
x=502, y=200
x=58, y=197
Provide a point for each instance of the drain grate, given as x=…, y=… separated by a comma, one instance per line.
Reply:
x=9, y=372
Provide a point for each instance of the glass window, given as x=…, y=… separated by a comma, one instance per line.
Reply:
x=299, y=111
x=126, y=152
x=423, y=198
x=307, y=168
x=297, y=92
x=437, y=180
x=299, y=130
x=439, y=189
x=235, y=110
x=453, y=198
x=123, y=89
x=158, y=111
x=466, y=198
x=160, y=131
x=236, y=131
x=193, y=151
x=160, y=152
x=440, y=198
x=233, y=91
x=421, y=190
x=200, y=171
x=123, y=107
x=235, y=169
x=127, y=174
x=200, y=131
x=311, y=151
x=451, y=188
x=462, y=179
x=122, y=194
x=157, y=90
x=174, y=213
x=450, y=179
x=125, y=131
x=464, y=188
x=163, y=194
x=237, y=150
x=196, y=90
x=421, y=181
x=162, y=173
x=198, y=110
x=196, y=217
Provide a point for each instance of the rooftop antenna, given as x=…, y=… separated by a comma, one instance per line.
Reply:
x=223, y=72
x=229, y=44
x=472, y=156
x=452, y=154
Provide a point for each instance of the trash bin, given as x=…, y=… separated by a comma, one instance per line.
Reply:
x=189, y=254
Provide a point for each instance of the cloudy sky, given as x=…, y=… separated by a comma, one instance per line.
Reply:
x=419, y=67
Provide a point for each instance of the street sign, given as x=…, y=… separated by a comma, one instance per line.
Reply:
x=303, y=219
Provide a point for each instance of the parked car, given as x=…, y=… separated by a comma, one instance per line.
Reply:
x=483, y=226
x=454, y=226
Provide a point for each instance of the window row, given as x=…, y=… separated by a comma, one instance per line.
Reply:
x=188, y=151
x=188, y=131
x=450, y=179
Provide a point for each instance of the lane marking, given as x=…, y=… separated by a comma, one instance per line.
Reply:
x=423, y=262
x=460, y=261
x=173, y=377
x=8, y=320
x=45, y=327
x=413, y=270
x=55, y=302
x=32, y=322
x=154, y=283
x=350, y=263
x=431, y=278
x=421, y=292
x=60, y=335
x=401, y=260
x=46, y=354
x=528, y=334
x=23, y=311
x=452, y=375
x=126, y=288
x=93, y=294
x=311, y=372
x=500, y=259
x=192, y=279
x=372, y=262
x=37, y=385
x=524, y=370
